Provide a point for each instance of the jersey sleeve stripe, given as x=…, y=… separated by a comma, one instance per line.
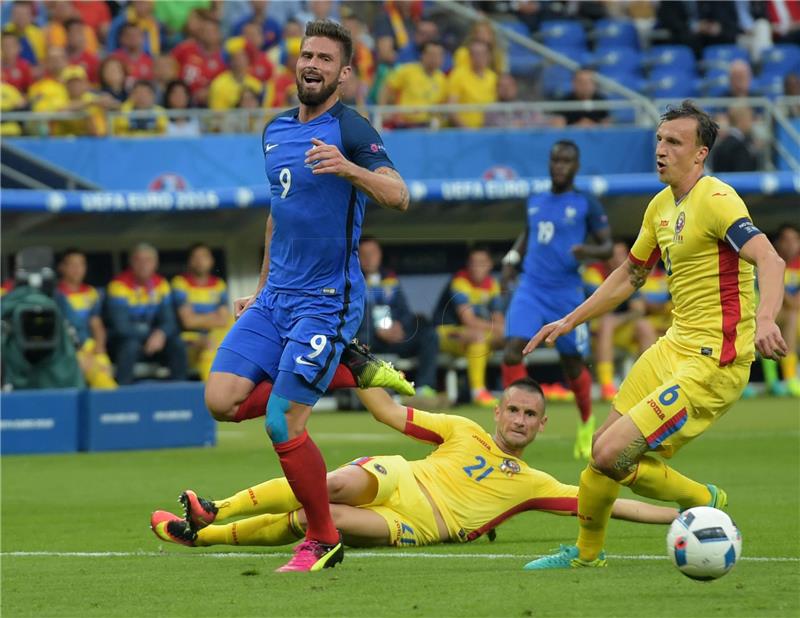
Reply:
x=420, y=433
x=651, y=261
x=730, y=301
x=565, y=504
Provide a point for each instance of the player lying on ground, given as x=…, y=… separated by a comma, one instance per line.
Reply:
x=470, y=484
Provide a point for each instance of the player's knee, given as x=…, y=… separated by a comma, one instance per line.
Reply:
x=219, y=404
x=337, y=486
x=604, y=458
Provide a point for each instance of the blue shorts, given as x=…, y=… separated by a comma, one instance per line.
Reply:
x=532, y=307
x=294, y=340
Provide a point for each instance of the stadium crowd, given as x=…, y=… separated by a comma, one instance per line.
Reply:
x=159, y=59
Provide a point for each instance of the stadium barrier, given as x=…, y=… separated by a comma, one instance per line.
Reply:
x=146, y=416
x=470, y=189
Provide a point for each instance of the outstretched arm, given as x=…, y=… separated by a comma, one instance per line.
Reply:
x=383, y=408
x=643, y=512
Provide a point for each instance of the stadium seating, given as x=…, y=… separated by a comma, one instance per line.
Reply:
x=670, y=56
x=615, y=33
x=522, y=62
x=720, y=56
x=617, y=60
x=780, y=60
x=671, y=84
x=562, y=33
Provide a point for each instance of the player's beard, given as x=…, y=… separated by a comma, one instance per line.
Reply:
x=312, y=99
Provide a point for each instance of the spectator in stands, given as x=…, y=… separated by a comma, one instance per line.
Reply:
x=473, y=84
x=114, y=79
x=260, y=65
x=386, y=59
x=787, y=244
x=165, y=71
x=141, y=317
x=16, y=71
x=791, y=88
x=142, y=99
x=254, y=121
x=131, y=52
x=473, y=321
x=784, y=16
x=426, y=31
x=738, y=151
x=200, y=58
x=79, y=51
x=226, y=89
x=31, y=38
x=363, y=62
x=416, y=83
x=11, y=100
x=178, y=97
x=49, y=94
x=201, y=302
x=140, y=14
x=389, y=326
x=60, y=14
x=482, y=31
x=625, y=327
x=81, y=99
x=317, y=9
x=740, y=77
x=173, y=16
x=584, y=89
x=718, y=22
x=95, y=14
x=281, y=90
x=507, y=92
x=259, y=15
x=676, y=24
x=398, y=21
x=80, y=303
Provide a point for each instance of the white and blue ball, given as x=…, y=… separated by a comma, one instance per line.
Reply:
x=704, y=543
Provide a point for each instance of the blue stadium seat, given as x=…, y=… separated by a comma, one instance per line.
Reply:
x=720, y=56
x=715, y=83
x=617, y=59
x=671, y=84
x=634, y=82
x=556, y=82
x=670, y=56
x=769, y=85
x=576, y=54
x=615, y=32
x=562, y=33
x=780, y=60
x=522, y=62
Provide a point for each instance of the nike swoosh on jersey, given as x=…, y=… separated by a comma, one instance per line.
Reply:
x=271, y=146
x=301, y=361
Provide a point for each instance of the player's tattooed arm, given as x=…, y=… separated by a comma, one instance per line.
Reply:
x=394, y=195
x=637, y=274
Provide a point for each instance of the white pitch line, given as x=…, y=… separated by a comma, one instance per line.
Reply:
x=350, y=554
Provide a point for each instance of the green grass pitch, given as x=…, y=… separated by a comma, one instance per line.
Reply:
x=75, y=537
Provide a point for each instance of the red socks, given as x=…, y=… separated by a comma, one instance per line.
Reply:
x=512, y=373
x=256, y=403
x=343, y=378
x=582, y=387
x=304, y=468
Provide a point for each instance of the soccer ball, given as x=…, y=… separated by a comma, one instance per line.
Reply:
x=704, y=543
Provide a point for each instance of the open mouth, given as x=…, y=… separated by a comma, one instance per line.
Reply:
x=660, y=166
x=310, y=78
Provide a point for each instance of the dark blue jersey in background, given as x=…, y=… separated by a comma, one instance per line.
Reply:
x=557, y=222
x=317, y=218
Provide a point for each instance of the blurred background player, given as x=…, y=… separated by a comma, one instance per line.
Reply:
x=81, y=305
x=141, y=317
x=201, y=302
x=473, y=322
x=390, y=327
x=559, y=224
x=633, y=326
x=309, y=302
x=450, y=496
x=692, y=376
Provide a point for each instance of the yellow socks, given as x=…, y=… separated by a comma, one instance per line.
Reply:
x=477, y=355
x=274, y=496
x=270, y=530
x=605, y=373
x=789, y=365
x=595, y=500
x=655, y=479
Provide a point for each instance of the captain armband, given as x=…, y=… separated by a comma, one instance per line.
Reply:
x=740, y=232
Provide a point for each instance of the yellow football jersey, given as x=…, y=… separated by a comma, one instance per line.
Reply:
x=475, y=485
x=712, y=289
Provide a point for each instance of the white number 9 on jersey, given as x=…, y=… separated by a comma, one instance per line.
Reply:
x=546, y=232
x=286, y=181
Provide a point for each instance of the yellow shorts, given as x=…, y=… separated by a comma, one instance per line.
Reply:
x=673, y=396
x=400, y=501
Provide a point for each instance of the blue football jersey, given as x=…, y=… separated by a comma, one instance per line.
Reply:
x=317, y=219
x=557, y=222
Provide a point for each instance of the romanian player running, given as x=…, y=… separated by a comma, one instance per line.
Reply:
x=560, y=222
x=471, y=483
x=680, y=386
x=322, y=159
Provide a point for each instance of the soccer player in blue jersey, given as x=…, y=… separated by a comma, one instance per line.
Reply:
x=560, y=222
x=322, y=160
